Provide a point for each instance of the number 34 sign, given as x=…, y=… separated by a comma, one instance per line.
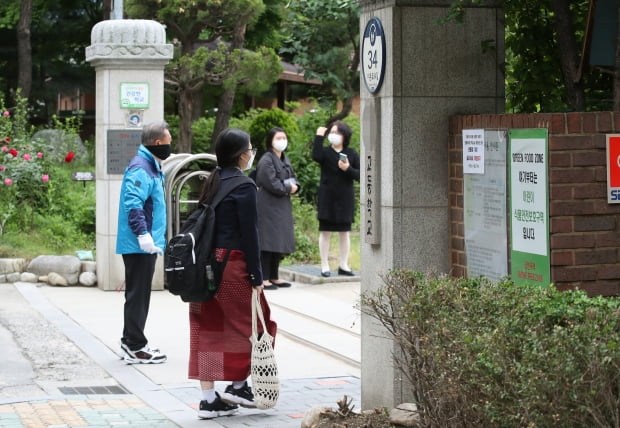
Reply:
x=373, y=55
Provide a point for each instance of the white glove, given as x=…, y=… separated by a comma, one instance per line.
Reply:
x=147, y=244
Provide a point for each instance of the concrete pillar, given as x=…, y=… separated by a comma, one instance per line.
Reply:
x=123, y=52
x=432, y=71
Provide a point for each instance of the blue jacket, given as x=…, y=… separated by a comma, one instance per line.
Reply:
x=142, y=206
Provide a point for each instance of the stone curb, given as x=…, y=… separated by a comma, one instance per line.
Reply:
x=293, y=273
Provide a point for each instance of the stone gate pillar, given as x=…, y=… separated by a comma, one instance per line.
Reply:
x=432, y=71
x=129, y=57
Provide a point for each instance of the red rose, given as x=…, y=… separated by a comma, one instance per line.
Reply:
x=69, y=157
x=13, y=153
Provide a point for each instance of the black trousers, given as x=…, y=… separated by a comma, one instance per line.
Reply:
x=270, y=263
x=139, y=270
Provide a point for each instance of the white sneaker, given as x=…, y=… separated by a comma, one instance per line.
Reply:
x=146, y=355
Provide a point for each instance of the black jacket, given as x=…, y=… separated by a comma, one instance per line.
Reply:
x=236, y=224
x=336, y=192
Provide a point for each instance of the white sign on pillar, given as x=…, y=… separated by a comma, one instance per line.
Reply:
x=373, y=55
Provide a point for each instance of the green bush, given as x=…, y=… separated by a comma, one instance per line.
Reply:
x=267, y=119
x=488, y=354
x=306, y=234
x=203, y=130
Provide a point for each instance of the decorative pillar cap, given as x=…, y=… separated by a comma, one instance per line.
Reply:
x=128, y=39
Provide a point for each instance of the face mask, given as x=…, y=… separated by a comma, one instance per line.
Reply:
x=250, y=162
x=335, y=139
x=280, y=145
x=162, y=151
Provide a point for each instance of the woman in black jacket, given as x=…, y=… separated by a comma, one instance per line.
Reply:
x=340, y=165
x=276, y=183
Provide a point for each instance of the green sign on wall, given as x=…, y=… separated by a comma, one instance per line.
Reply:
x=529, y=206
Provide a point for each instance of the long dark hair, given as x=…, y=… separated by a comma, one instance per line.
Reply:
x=229, y=146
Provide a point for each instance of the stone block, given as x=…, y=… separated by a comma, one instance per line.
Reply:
x=12, y=265
x=67, y=266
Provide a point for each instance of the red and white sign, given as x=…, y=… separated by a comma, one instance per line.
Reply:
x=613, y=168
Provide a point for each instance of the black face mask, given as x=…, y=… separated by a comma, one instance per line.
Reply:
x=162, y=151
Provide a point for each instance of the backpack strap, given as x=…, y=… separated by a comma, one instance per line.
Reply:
x=228, y=185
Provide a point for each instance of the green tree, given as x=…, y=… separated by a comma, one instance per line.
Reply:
x=52, y=61
x=322, y=38
x=543, y=41
x=209, y=36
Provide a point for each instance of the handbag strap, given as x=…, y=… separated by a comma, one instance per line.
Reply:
x=257, y=313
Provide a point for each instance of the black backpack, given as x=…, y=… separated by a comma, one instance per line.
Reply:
x=190, y=268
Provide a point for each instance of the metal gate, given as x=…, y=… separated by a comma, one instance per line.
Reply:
x=185, y=175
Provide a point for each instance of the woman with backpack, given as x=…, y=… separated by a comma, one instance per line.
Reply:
x=220, y=328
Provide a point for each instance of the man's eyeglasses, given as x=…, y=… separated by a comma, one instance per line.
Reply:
x=253, y=150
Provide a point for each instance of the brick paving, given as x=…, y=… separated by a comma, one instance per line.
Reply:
x=296, y=397
x=132, y=399
x=116, y=411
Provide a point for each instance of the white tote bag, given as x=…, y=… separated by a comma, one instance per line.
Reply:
x=264, y=370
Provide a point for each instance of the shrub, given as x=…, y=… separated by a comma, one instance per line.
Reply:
x=38, y=198
x=267, y=119
x=24, y=167
x=306, y=233
x=203, y=130
x=478, y=353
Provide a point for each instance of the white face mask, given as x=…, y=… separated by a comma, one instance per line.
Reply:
x=250, y=162
x=335, y=139
x=280, y=144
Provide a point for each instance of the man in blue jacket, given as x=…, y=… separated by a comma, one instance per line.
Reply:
x=141, y=236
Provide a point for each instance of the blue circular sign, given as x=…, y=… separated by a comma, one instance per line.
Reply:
x=373, y=55
x=135, y=120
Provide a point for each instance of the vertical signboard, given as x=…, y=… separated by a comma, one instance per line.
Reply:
x=369, y=171
x=613, y=168
x=529, y=206
x=484, y=203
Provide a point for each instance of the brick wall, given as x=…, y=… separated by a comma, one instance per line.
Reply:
x=584, y=229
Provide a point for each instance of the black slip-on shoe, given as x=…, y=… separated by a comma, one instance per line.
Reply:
x=281, y=284
x=345, y=272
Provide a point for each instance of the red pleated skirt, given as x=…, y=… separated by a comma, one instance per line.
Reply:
x=220, y=329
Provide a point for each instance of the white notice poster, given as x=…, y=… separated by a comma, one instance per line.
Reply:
x=473, y=151
x=484, y=203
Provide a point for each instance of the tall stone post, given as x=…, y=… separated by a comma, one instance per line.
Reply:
x=432, y=71
x=129, y=57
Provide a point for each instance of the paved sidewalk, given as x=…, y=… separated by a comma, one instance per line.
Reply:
x=161, y=395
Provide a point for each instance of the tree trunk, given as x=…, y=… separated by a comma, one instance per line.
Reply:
x=575, y=95
x=24, y=49
x=186, y=103
x=227, y=99
x=617, y=70
x=224, y=110
x=347, y=106
x=107, y=9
